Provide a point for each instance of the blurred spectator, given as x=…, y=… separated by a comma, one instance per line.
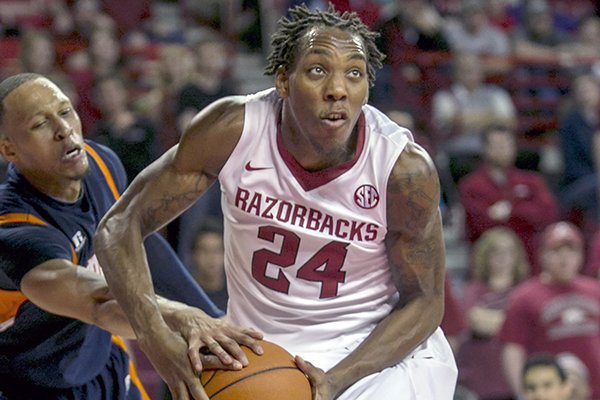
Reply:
x=462, y=111
x=105, y=50
x=133, y=138
x=453, y=323
x=38, y=54
x=577, y=133
x=499, y=194
x=577, y=375
x=207, y=265
x=500, y=14
x=499, y=263
x=545, y=379
x=473, y=32
x=592, y=267
x=541, y=52
x=85, y=15
x=413, y=25
x=407, y=30
x=556, y=311
x=166, y=82
x=207, y=82
x=128, y=15
x=537, y=37
x=181, y=229
x=587, y=43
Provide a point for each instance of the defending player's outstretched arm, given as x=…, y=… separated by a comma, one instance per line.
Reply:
x=60, y=287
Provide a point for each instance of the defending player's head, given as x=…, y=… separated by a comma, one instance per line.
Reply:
x=40, y=131
x=293, y=34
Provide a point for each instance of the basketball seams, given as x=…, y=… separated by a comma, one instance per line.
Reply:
x=248, y=377
x=213, y=374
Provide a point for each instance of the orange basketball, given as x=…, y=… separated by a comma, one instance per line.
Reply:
x=271, y=376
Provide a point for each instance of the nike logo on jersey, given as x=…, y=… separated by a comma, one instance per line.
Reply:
x=251, y=168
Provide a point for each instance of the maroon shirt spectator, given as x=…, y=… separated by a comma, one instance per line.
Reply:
x=499, y=264
x=500, y=194
x=556, y=311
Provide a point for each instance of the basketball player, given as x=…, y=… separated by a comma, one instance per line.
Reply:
x=333, y=238
x=57, y=315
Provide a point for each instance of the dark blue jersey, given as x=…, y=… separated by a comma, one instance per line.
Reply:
x=37, y=346
x=43, y=348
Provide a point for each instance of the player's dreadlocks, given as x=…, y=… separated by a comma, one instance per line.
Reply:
x=286, y=40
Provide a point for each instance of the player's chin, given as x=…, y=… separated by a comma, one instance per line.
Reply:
x=80, y=173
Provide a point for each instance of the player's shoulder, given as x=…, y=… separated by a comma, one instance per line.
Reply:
x=225, y=118
x=383, y=127
x=16, y=195
x=11, y=200
x=414, y=165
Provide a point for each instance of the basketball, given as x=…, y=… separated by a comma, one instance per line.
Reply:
x=271, y=376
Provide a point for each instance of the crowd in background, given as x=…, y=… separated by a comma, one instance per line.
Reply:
x=504, y=94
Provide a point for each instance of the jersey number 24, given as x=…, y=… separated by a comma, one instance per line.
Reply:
x=325, y=266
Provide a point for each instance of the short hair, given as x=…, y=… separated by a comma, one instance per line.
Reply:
x=544, y=360
x=286, y=40
x=11, y=83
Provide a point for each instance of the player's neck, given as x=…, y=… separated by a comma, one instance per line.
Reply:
x=313, y=157
x=64, y=190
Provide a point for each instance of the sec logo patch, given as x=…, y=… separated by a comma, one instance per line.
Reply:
x=366, y=196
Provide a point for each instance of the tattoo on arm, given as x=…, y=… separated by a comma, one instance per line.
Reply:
x=173, y=203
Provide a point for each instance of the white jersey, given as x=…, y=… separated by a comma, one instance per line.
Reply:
x=305, y=256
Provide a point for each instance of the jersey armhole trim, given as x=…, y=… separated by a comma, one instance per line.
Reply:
x=105, y=171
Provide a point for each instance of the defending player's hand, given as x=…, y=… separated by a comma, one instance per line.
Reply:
x=166, y=350
x=207, y=335
x=321, y=389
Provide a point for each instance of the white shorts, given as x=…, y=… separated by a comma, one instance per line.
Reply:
x=429, y=373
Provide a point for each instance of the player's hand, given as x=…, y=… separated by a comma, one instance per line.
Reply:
x=321, y=389
x=211, y=336
x=167, y=352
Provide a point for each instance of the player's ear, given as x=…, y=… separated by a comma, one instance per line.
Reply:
x=7, y=148
x=282, y=82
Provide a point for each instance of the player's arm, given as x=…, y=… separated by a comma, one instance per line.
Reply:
x=416, y=256
x=158, y=194
x=61, y=288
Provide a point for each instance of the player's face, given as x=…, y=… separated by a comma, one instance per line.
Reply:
x=543, y=383
x=43, y=135
x=324, y=91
